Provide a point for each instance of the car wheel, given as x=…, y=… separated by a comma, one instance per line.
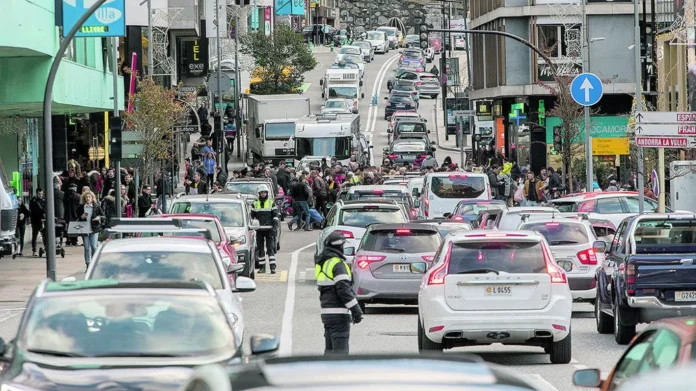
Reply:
x=622, y=334
x=560, y=352
x=604, y=322
x=424, y=343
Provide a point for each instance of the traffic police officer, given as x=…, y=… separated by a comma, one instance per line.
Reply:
x=338, y=302
x=267, y=214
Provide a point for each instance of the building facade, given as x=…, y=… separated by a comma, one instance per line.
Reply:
x=83, y=92
x=516, y=80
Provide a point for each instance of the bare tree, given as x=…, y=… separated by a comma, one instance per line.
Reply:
x=155, y=113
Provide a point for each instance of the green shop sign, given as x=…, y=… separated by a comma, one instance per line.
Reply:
x=602, y=127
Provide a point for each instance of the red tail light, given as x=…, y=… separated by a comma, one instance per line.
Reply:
x=428, y=258
x=422, y=156
x=403, y=231
x=346, y=234
x=557, y=274
x=419, y=83
x=458, y=218
x=587, y=257
x=413, y=213
x=393, y=156
x=553, y=224
x=437, y=276
x=631, y=274
x=402, y=58
x=378, y=191
x=364, y=261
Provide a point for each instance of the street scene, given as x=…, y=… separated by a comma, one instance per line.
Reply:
x=342, y=195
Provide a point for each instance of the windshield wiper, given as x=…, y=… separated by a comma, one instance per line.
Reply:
x=398, y=250
x=559, y=242
x=55, y=353
x=136, y=354
x=478, y=271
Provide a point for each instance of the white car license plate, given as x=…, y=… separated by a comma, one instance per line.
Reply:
x=685, y=296
x=498, y=290
x=401, y=106
x=402, y=268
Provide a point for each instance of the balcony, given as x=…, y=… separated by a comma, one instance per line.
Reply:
x=184, y=17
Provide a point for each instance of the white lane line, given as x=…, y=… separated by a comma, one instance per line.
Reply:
x=285, y=349
x=539, y=382
x=580, y=366
x=376, y=88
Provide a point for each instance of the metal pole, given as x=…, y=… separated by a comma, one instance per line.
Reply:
x=150, y=56
x=461, y=142
x=589, y=171
x=443, y=71
x=221, y=157
x=48, y=143
x=117, y=159
x=237, y=87
x=468, y=40
x=639, y=102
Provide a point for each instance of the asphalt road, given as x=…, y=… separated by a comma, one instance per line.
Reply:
x=286, y=304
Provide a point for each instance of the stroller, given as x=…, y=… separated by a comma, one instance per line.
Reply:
x=60, y=227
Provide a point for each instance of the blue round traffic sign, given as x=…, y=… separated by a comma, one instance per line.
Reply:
x=586, y=89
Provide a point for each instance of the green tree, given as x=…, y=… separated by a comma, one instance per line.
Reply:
x=155, y=112
x=282, y=60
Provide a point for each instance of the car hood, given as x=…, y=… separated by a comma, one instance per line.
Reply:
x=35, y=377
x=375, y=42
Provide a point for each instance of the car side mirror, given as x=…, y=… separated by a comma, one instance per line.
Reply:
x=349, y=251
x=263, y=344
x=371, y=146
x=257, y=132
x=587, y=378
x=386, y=98
x=244, y=284
x=254, y=224
x=321, y=82
x=363, y=94
x=235, y=268
x=447, y=215
x=433, y=149
x=599, y=246
x=428, y=131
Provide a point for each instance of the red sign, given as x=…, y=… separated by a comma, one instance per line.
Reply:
x=687, y=129
x=663, y=142
x=686, y=117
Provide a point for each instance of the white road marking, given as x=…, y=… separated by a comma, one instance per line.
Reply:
x=580, y=366
x=539, y=382
x=372, y=112
x=573, y=361
x=285, y=349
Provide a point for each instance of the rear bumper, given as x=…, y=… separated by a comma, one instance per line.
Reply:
x=650, y=308
x=429, y=91
x=475, y=327
x=582, y=288
x=370, y=289
x=652, y=302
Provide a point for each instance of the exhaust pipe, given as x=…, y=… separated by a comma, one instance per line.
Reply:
x=454, y=335
x=542, y=334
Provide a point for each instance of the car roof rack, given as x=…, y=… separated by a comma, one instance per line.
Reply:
x=51, y=286
x=155, y=225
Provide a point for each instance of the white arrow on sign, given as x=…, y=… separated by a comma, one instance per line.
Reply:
x=668, y=130
x=587, y=86
x=665, y=117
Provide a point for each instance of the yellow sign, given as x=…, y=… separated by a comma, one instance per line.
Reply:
x=315, y=3
x=96, y=153
x=610, y=146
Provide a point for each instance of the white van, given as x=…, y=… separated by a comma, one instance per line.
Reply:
x=443, y=190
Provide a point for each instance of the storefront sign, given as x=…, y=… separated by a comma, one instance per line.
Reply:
x=109, y=20
x=545, y=73
x=196, y=59
x=267, y=20
x=289, y=7
x=602, y=127
x=484, y=108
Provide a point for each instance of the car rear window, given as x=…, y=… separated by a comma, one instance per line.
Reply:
x=412, y=54
x=364, y=216
x=503, y=256
x=402, y=241
x=230, y=214
x=474, y=209
x=665, y=236
x=410, y=128
x=209, y=225
x=511, y=221
x=408, y=147
x=456, y=186
x=429, y=79
x=560, y=234
x=401, y=99
x=566, y=207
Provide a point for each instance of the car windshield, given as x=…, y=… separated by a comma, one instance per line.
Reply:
x=280, y=131
x=364, y=216
x=409, y=147
x=374, y=36
x=503, y=256
x=343, y=92
x=566, y=206
x=137, y=266
x=398, y=196
x=405, y=87
x=668, y=236
x=362, y=44
x=246, y=187
x=338, y=147
x=559, y=234
x=336, y=104
x=411, y=128
x=401, y=99
x=127, y=326
x=474, y=209
x=345, y=65
x=458, y=186
x=190, y=224
x=388, y=31
x=231, y=214
x=402, y=241
x=412, y=54
x=345, y=50
x=352, y=58
x=412, y=38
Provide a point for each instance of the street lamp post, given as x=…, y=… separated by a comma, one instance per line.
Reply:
x=150, y=57
x=48, y=142
x=221, y=156
x=639, y=101
x=586, y=68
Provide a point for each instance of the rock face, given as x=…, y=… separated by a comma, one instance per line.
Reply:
x=375, y=13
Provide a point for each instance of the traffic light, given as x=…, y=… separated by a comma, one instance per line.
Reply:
x=557, y=145
x=423, y=36
x=115, y=138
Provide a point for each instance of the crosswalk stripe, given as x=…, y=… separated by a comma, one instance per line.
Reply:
x=280, y=276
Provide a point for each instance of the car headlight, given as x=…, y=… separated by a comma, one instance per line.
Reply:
x=237, y=240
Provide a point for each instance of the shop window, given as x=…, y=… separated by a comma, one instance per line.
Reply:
x=557, y=42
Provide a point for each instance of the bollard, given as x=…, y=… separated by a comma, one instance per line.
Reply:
x=311, y=46
x=332, y=46
x=374, y=100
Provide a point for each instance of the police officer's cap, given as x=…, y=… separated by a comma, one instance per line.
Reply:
x=261, y=189
x=335, y=239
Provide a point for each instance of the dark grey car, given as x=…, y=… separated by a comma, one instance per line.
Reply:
x=402, y=152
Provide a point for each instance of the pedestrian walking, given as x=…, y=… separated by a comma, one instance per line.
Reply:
x=90, y=211
x=265, y=211
x=339, y=306
x=22, y=218
x=37, y=210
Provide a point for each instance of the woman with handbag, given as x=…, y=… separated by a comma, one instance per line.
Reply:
x=90, y=211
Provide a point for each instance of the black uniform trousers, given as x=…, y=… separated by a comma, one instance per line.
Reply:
x=336, y=335
x=265, y=243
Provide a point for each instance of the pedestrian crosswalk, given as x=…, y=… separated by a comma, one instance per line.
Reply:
x=280, y=276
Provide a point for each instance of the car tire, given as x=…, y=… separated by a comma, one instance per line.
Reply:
x=605, y=324
x=424, y=343
x=622, y=334
x=560, y=352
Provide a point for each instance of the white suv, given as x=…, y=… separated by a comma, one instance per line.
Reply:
x=495, y=287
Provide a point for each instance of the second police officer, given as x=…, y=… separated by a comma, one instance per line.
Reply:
x=264, y=210
x=339, y=306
